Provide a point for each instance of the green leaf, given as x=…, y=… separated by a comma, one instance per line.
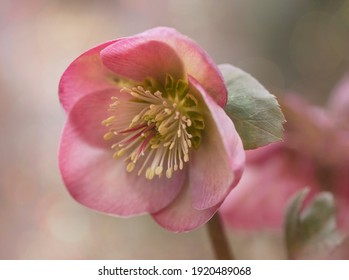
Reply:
x=293, y=223
x=255, y=112
x=312, y=232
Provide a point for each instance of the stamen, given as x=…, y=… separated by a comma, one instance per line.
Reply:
x=130, y=167
x=108, y=121
x=169, y=173
x=154, y=129
x=119, y=153
x=149, y=174
x=158, y=170
x=109, y=135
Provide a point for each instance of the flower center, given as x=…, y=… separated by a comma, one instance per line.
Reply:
x=156, y=130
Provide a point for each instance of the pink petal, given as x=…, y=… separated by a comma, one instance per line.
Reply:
x=99, y=182
x=138, y=58
x=84, y=75
x=342, y=205
x=260, y=199
x=180, y=216
x=339, y=101
x=216, y=167
x=88, y=113
x=312, y=131
x=197, y=62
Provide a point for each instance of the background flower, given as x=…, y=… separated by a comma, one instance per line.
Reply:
x=314, y=154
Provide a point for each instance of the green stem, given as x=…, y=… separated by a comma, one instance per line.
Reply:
x=218, y=239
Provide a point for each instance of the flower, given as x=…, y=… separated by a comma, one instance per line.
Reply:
x=146, y=132
x=315, y=154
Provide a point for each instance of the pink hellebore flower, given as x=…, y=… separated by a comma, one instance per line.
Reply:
x=315, y=154
x=146, y=132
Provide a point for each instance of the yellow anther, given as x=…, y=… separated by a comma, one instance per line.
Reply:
x=133, y=157
x=189, y=143
x=135, y=119
x=166, y=144
x=155, y=146
x=119, y=153
x=181, y=165
x=109, y=135
x=159, y=117
x=168, y=111
x=149, y=174
x=163, y=129
x=169, y=173
x=130, y=167
x=108, y=121
x=158, y=170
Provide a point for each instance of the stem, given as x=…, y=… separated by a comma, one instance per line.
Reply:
x=218, y=239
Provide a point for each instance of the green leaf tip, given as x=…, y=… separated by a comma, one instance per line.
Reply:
x=311, y=232
x=255, y=112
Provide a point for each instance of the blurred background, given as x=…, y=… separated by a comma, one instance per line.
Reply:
x=294, y=45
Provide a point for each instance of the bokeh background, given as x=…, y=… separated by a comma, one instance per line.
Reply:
x=289, y=45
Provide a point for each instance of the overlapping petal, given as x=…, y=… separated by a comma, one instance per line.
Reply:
x=196, y=61
x=339, y=101
x=138, y=58
x=222, y=165
x=180, y=216
x=85, y=75
x=310, y=129
x=88, y=113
